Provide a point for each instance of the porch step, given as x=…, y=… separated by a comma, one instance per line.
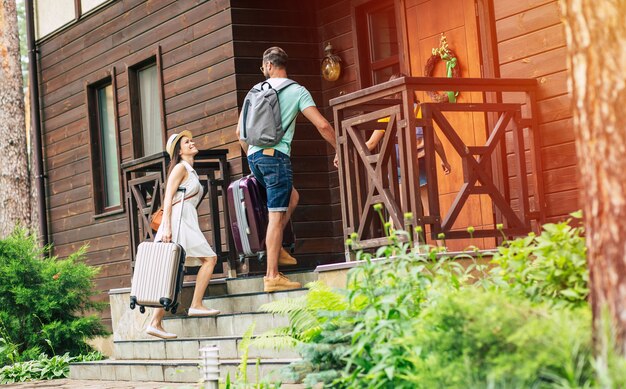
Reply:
x=171, y=370
x=254, y=284
x=234, y=324
x=188, y=348
x=249, y=302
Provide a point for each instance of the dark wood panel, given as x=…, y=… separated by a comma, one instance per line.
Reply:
x=101, y=229
x=206, y=49
x=198, y=111
x=505, y=8
x=559, y=156
x=555, y=108
x=532, y=43
x=531, y=20
x=70, y=170
x=207, y=92
x=536, y=66
x=562, y=179
x=75, y=208
x=199, y=78
x=69, y=143
x=563, y=203
x=557, y=132
x=69, y=197
x=60, y=134
x=79, y=153
x=64, y=119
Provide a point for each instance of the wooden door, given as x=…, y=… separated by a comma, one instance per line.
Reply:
x=425, y=21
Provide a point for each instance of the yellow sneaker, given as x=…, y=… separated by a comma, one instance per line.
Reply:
x=279, y=283
x=285, y=259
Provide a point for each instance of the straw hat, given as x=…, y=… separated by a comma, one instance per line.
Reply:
x=171, y=142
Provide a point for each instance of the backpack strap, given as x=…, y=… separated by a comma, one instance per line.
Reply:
x=284, y=85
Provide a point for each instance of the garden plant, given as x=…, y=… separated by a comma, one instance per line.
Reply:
x=412, y=316
x=46, y=310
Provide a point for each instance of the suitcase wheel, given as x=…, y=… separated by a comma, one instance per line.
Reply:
x=242, y=258
x=133, y=302
x=174, y=309
x=132, y=305
x=142, y=309
x=261, y=256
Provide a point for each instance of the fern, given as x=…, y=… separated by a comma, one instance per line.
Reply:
x=244, y=346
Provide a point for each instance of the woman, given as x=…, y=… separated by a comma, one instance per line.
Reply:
x=182, y=151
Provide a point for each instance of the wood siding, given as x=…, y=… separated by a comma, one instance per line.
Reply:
x=210, y=57
x=531, y=44
x=197, y=60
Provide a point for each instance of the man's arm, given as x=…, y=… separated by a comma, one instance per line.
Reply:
x=322, y=125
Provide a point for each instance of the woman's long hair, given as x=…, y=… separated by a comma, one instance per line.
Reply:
x=175, y=157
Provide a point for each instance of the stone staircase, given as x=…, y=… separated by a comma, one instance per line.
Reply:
x=140, y=357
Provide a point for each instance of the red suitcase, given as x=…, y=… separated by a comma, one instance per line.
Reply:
x=247, y=205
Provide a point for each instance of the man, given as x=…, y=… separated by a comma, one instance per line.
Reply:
x=272, y=166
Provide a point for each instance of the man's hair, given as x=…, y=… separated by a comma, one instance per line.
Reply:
x=276, y=56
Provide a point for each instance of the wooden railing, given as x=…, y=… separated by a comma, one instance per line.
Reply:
x=369, y=177
x=145, y=187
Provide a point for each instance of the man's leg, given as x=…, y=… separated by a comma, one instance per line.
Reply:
x=274, y=242
x=293, y=203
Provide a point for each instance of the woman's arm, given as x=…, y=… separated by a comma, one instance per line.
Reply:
x=370, y=143
x=442, y=153
x=173, y=182
x=373, y=141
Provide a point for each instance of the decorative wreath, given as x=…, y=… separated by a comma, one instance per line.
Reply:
x=453, y=70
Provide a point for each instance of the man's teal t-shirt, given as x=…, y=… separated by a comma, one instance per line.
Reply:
x=293, y=99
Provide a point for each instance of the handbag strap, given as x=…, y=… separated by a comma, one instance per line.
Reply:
x=180, y=219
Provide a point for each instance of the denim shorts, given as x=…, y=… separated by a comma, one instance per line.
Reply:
x=274, y=173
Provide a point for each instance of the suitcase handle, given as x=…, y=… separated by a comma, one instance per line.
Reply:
x=182, y=209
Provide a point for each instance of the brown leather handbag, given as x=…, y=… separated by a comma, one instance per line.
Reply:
x=157, y=217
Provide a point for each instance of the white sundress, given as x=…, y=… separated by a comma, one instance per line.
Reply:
x=191, y=238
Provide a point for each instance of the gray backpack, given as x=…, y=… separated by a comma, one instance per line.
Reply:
x=262, y=124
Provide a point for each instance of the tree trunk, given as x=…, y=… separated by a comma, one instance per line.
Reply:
x=14, y=176
x=596, y=40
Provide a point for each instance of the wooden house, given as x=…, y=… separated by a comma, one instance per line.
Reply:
x=117, y=77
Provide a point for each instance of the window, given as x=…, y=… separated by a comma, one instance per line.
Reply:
x=146, y=108
x=104, y=146
x=50, y=15
x=88, y=5
x=378, y=43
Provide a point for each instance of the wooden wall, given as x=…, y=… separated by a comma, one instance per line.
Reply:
x=195, y=39
x=292, y=26
x=531, y=44
x=211, y=53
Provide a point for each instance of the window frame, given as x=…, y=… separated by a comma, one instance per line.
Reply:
x=362, y=39
x=95, y=141
x=134, y=99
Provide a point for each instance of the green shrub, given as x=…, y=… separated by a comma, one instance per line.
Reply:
x=417, y=318
x=44, y=367
x=477, y=338
x=550, y=267
x=44, y=301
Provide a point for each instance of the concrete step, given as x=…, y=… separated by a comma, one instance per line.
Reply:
x=234, y=324
x=249, y=302
x=188, y=348
x=254, y=284
x=172, y=370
